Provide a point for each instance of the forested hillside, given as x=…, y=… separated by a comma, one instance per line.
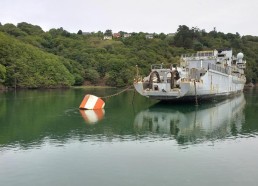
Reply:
x=32, y=58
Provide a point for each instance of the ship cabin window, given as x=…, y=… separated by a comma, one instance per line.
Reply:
x=156, y=87
x=221, y=55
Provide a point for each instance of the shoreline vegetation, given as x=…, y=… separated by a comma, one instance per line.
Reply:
x=31, y=58
x=3, y=88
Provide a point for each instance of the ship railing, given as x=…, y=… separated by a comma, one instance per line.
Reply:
x=197, y=58
x=224, y=70
x=162, y=66
x=199, y=55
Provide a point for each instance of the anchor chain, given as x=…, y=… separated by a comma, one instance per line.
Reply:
x=116, y=94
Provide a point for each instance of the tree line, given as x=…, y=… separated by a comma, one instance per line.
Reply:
x=33, y=58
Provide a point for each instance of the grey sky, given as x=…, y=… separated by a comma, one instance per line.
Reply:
x=134, y=15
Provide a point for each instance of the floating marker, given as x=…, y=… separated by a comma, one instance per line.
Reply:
x=92, y=116
x=91, y=102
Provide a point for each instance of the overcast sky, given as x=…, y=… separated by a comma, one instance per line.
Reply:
x=228, y=16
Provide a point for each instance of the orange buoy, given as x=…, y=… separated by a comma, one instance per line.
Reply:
x=92, y=116
x=91, y=102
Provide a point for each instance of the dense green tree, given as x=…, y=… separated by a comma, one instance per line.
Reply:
x=92, y=75
x=2, y=73
x=12, y=30
x=79, y=32
x=30, y=29
x=108, y=32
x=198, y=46
x=162, y=36
x=184, y=37
x=29, y=67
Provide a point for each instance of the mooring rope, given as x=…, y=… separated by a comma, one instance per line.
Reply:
x=116, y=94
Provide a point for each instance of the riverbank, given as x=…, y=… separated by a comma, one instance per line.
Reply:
x=91, y=86
x=251, y=85
x=2, y=87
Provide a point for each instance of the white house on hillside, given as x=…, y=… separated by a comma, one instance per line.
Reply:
x=107, y=38
x=149, y=36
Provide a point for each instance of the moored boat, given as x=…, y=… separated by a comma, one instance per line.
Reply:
x=203, y=75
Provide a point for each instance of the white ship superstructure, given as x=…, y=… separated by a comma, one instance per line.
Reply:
x=202, y=75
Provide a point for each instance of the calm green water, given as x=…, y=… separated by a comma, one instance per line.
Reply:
x=46, y=140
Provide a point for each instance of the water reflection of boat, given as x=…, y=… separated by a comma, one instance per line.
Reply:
x=92, y=116
x=190, y=123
